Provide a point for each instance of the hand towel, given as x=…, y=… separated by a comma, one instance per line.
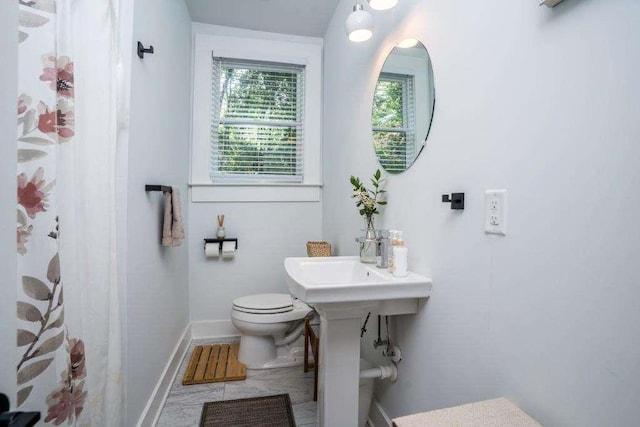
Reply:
x=167, y=239
x=177, y=227
x=172, y=227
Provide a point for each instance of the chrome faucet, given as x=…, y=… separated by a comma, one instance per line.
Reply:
x=382, y=250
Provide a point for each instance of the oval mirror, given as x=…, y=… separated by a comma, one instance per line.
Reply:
x=403, y=105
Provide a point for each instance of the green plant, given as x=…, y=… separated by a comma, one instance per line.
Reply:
x=368, y=200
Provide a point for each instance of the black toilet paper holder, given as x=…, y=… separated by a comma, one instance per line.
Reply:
x=220, y=241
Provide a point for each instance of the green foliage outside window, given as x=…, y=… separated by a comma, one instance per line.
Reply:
x=258, y=129
x=388, y=104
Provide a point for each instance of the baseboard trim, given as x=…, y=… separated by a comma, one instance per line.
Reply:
x=377, y=415
x=151, y=412
x=213, y=329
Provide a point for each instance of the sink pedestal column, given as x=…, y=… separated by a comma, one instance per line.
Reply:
x=339, y=370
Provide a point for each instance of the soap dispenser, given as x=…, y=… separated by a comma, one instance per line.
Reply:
x=400, y=256
x=393, y=240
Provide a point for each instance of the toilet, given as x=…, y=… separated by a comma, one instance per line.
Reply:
x=269, y=324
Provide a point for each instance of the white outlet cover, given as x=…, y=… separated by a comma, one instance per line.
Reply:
x=495, y=216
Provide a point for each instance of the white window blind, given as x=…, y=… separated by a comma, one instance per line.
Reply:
x=257, y=122
x=394, y=121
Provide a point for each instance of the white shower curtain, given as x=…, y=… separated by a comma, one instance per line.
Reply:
x=69, y=331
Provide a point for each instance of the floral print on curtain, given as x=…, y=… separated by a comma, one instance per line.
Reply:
x=51, y=367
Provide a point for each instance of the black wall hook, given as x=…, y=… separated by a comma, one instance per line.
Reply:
x=456, y=200
x=142, y=50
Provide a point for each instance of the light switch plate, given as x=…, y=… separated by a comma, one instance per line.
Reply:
x=495, y=207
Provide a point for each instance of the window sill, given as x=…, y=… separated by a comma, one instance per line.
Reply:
x=203, y=193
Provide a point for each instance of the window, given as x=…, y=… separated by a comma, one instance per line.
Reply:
x=393, y=120
x=257, y=129
x=250, y=141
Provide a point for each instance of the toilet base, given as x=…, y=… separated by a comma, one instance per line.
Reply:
x=259, y=352
x=294, y=357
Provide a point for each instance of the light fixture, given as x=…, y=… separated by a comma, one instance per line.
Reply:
x=406, y=43
x=382, y=4
x=359, y=24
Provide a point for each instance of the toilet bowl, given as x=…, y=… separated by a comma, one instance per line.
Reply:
x=269, y=324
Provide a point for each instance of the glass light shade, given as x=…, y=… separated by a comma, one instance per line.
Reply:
x=360, y=35
x=359, y=24
x=406, y=43
x=382, y=4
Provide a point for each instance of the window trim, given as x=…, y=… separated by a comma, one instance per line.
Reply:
x=409, y=124
x=305, y=51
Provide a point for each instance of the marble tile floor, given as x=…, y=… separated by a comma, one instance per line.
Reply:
x=183, y=406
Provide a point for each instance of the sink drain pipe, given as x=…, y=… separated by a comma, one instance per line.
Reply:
x=382, y=372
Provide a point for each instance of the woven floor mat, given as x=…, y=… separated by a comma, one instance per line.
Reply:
x=267, y=411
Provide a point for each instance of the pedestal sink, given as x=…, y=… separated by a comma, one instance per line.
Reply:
x=343, y=290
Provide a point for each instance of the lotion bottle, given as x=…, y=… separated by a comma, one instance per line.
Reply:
x=393, y=238
x=400, y=260
x=399, y=253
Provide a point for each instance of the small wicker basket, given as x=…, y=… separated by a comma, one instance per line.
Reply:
x=316, y=249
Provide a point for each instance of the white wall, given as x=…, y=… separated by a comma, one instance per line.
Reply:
x=8, y=173
x=268, y=232
x=543, y=103
x=156, y=297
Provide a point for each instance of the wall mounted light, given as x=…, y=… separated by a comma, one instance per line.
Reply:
x=382, y=4
x=406, y=43
x=359, y=24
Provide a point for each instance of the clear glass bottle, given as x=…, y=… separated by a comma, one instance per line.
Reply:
x=368, y=242
x=368, y=246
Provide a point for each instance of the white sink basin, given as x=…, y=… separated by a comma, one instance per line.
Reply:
x=345, y=279
x=343, y=290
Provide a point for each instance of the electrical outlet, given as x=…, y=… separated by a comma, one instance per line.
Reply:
x=495, y=212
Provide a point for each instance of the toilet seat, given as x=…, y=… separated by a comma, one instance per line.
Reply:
x=264, y=304
x=290, y=309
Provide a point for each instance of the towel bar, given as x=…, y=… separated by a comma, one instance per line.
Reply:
x=163, y=188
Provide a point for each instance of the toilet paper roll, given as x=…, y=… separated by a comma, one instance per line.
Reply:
x=228, y=250
x=212, y=250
